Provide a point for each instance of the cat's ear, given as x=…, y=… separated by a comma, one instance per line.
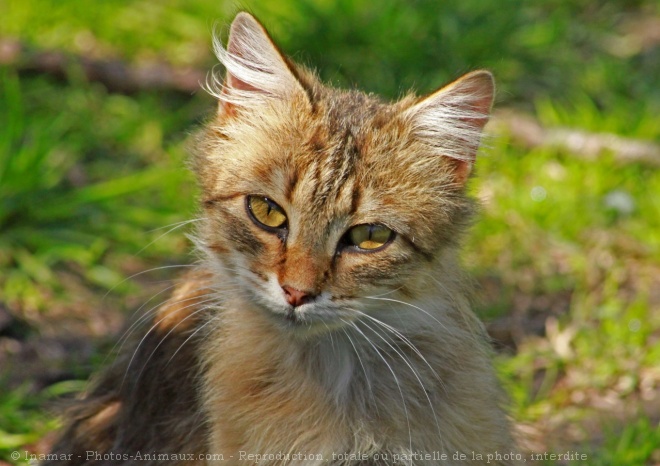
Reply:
x=451, y=120
x=256, y=69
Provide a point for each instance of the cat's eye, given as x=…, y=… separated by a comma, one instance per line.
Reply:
x=369, y=237
x=266, y=212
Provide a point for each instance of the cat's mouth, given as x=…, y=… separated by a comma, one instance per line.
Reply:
x=317, y=314
x=307, y=321
x=293, y=318
x=289, y=317
x=300, y=319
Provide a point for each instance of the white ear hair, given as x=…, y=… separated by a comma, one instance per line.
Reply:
x=255, y=67
x=451, y=120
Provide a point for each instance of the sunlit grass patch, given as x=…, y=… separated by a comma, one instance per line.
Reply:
x=635, y=444
x=78, y=169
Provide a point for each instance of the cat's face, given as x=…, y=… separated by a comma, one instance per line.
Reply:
x=322, y=203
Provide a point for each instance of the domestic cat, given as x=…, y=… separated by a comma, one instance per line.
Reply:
x=328, y=321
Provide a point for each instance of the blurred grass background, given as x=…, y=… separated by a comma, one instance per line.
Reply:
x=566, y=250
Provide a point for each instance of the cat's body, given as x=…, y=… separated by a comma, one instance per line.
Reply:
x=329, y=321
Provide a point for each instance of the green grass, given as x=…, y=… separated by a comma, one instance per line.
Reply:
x=636, y=445
x=21, y=424
x=23, y=420
x=88, y=178
x=58, y=205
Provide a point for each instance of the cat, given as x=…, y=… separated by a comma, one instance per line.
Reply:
x=328, y=321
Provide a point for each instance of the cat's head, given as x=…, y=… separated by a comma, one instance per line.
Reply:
x=320, y=203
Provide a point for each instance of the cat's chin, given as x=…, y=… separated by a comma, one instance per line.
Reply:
x=304, y=320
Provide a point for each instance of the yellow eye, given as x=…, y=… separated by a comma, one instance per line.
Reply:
x=369, y=237
x=265, y=212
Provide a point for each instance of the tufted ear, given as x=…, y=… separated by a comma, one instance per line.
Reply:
x=256, y=69
x=451, y=120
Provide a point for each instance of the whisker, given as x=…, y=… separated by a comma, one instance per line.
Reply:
x=411, y=305
x=404, y=338
x=332, y=340
x=187, y=340
x=146, y=314
x=396, y=379
x=167, y=335
x=147, y=271
x=388, y=292
x=367, y=378
x=167, y=302
x=178, y=223
x=175, y=227
x=149, y=332
x=408, y=363
x=452, y=299
x=152, y=311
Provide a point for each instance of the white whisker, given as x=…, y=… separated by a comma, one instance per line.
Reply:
x=332, y=340
x=187, y=340
x=150, y=312
x=388, y=292
x=367, y=378
x=147, y=271
x=168, y=334
x=396, y=379
x=405, y=339
x=184, y=222
x=146, y=315
x=175, y=227
x=149, y=332
x=408, y=363
x=408, y=304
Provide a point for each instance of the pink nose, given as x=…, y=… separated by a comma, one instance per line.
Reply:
x=296, y=297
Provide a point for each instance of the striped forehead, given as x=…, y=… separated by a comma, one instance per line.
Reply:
x=324, y=182
x=326, y=179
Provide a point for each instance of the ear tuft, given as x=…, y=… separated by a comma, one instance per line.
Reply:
x=256, y=69
x=451, y=120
